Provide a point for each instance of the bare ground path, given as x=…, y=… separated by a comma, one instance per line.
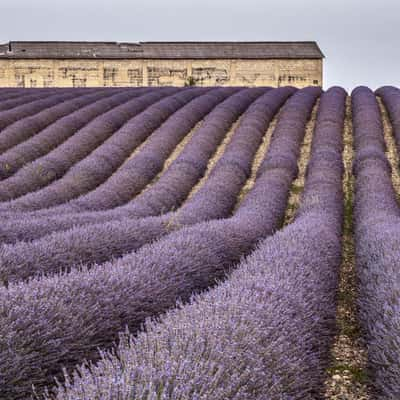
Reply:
x=347, y=378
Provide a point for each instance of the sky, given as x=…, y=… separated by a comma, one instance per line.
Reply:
x=360, y=39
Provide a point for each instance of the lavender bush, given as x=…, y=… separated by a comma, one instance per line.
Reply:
x=181, y=175
x=266, y=334
x=46, y=169
x=175, y=184
x=268, y=327
x=38, y=134
x=138, y=171
x=8, y=94
x=391, y=98
x=24, y=97
x=377, y=235
x=102, y=162
x=150, y=160
x=86, y=309
x=37, y=104
x=14, y=92
x=99, y=242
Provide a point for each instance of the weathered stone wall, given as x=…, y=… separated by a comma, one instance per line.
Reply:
x=78, y=73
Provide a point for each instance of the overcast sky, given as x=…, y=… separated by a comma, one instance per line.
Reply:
x=360, y=39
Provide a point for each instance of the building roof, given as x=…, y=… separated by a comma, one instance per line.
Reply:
x=161, y=50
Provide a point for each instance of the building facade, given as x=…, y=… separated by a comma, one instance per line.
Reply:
x=88, y=64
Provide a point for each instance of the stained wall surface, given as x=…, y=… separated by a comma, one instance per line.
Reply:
x=125, y=72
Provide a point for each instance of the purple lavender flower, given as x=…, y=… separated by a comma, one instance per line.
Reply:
x=66, y=317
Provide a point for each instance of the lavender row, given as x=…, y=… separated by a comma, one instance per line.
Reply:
x=265, y=332
x=117, y=237
x=377, y=233
x=175, y=185
x=103, y=161
x=20, y=96
x=9, y=116
x=138, y=171
x=86, y=309
x=181, y=121
x=28, y=138
x=102, y=241
x=9, y=100
x=146, y=164
x=324, y=173
x=25, y=99
x=172, y=187
x=56, y=163
x=213, y=200
x=391, y=98
x=12, y=93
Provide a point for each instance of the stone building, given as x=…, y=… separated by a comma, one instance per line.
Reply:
x=78, y=64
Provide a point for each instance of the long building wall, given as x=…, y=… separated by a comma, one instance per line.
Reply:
x=117, y=72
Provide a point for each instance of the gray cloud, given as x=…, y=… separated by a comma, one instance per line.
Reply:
x=359, y=38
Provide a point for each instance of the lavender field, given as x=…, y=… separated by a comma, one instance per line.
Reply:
x=199, y=243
